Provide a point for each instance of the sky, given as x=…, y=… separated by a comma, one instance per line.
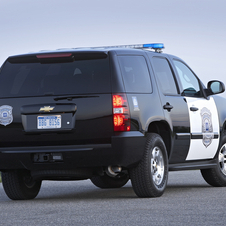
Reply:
x=194, y=30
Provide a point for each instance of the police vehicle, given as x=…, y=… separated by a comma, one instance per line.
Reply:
x=107, y=114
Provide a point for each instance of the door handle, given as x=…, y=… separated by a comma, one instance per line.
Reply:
x=167, y=107
x=194, y=109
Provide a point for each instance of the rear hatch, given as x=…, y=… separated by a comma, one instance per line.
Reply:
x=56, y=99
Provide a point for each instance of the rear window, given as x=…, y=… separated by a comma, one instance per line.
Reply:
x=135, y=74
x=61, y=78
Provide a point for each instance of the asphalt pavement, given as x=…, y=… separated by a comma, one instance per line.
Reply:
x=188, y=200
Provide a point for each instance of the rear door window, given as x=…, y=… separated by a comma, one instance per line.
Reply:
x=135, y=74
x=164, y=76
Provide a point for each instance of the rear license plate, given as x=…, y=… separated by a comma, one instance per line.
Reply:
x=49, y=122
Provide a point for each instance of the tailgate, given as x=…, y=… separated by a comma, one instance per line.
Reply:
x=81, y=121
x=56, y=99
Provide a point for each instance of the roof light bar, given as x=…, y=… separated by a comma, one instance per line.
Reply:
x=155, y=46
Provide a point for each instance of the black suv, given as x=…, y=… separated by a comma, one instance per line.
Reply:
x=107, y=114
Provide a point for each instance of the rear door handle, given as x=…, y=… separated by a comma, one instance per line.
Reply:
x=167, y=107
x=194, y=109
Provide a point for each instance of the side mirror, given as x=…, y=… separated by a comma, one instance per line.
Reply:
x=215, y=87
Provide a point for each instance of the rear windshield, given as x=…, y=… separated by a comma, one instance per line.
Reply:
x=62, y=78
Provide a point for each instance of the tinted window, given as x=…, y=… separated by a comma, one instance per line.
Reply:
x=135, y=74
x=34, y=79
x=164, y=75
x=188, y=80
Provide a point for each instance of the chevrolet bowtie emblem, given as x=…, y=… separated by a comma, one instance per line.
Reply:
x=46, y=109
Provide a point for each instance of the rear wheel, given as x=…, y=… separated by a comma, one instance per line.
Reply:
x=217, y=176
x=110, y=182
x=19, y=185
x=149, y=177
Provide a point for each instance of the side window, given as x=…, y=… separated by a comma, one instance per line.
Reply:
x=135, y=74
x=188, y=80
x=164, y=76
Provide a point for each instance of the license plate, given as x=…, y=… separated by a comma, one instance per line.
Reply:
x=49, y=122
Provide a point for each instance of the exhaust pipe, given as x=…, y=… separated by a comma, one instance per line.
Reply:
x=113, y=171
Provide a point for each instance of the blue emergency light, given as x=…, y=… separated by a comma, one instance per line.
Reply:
x=154, y=45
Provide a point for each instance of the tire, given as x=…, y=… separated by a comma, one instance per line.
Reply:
x=18, y=185
x=217, y=176
x=110, y=182
x=149, y=177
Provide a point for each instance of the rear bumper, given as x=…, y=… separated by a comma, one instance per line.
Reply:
x=126, y=149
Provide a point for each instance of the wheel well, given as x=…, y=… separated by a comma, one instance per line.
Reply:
x=163, y=130
x=223, y=131
x=224, y=127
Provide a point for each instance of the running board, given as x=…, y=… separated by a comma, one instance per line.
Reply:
x=191, y=165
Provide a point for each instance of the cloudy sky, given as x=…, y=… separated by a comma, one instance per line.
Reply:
x=194, y=30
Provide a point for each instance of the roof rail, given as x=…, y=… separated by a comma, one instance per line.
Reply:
x=155, y=46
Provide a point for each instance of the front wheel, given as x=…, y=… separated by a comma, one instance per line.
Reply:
x=19, y=185
x=217, y=176
x=149, y=177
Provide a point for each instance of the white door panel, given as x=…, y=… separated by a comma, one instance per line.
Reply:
x=198, y=151
x=204, y=127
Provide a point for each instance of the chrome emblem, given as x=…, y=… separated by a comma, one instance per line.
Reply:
x=46, y=108
x=207, y=127
x=6, y=116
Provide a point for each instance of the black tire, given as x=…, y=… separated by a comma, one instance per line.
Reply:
x=18, y=185
x=217, y=176
x=147, y=180
x=110, y=182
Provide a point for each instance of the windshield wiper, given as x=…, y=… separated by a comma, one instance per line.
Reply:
x=72, y=97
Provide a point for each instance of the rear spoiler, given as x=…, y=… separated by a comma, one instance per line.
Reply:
x=58, y=57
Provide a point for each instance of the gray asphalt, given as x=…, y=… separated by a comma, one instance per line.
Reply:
x=188, y=200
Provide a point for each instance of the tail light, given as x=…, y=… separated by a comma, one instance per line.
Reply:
x=121, y=115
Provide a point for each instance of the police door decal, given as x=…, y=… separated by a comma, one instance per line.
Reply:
x=204, y=128
x=207, y=127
